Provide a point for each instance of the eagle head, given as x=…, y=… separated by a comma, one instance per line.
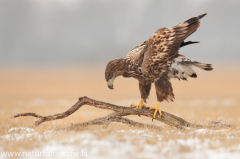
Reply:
x=114, y=68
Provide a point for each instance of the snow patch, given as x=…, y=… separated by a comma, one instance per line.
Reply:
x=20, y=133
x=129, y=146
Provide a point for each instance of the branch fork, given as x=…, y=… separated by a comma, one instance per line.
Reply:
x=117, y=116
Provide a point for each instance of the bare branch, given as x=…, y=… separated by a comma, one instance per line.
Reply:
x=108, y=120
x=116, y=116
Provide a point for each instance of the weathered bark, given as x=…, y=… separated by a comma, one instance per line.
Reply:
x=106, y=120
x=116, y=116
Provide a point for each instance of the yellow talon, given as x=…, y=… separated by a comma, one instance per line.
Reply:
x=139, y=105
x=157, y=109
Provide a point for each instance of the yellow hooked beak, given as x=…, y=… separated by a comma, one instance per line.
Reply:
x=110, y=84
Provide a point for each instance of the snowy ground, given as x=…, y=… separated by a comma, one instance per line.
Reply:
x=129, y=144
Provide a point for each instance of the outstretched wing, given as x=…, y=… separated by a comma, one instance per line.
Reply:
x=164, y=45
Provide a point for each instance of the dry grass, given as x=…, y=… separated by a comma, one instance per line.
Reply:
x=213, y=96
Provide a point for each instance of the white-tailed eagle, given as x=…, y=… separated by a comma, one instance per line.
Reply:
x=156, y=60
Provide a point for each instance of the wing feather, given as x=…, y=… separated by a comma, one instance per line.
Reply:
x=134, y=54
x=182, y=67
x=164, y=45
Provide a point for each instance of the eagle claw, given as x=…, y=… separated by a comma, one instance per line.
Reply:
x=157, y=109
x=139, y=105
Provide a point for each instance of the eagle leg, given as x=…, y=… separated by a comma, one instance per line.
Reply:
x=139, y=105
x=157, y=109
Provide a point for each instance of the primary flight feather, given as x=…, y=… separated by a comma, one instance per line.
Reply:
x=156, y=60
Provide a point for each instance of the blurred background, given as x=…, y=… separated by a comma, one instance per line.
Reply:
x=73, y=32
x=54, y=51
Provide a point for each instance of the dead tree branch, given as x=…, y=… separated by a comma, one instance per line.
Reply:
x=116, y=116
x=106, y=120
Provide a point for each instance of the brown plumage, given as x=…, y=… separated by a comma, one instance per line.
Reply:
x=157, y=60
